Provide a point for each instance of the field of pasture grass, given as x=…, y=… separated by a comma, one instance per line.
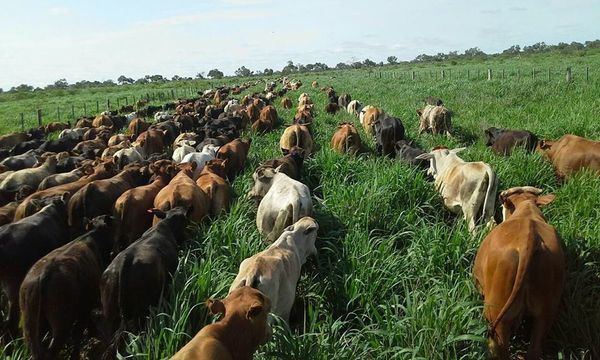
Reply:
x=393, y=276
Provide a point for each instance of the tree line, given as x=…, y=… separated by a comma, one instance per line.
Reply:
x=290, y=67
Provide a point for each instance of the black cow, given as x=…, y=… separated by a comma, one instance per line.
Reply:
x=23, y=161
x=138, y=275
x=24, y=242
x=387, y=132
x=503, y=141
x=59, y=145
x=61, y=289
x=407, y=153
x=434, y=101
x=26, y=146
x=170, y=127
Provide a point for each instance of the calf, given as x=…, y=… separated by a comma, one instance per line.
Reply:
x=236, y=153
x=346, y=139
x=138, y=275
x=284, y=201
x=182, y=191
x=289, y=164
x=571, y=153
x=388, y=131
x=61, y=289
x=276, y=270
x=407, y=153
x=436, y=119
x=503, y=141
x=130, y=209
x=236, y=336
x=97, y=197
x=520, y=270
x=25, y=241
x=296, y=135
x=467, y=187
x=213, y=184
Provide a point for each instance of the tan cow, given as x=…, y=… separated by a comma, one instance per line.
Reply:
x=212, y=182
x=31, y=177
x=276, y=270
x=286, y=103
x=571, y=153
x=354, y=107
x=467, y=187
x=519, y=270
x=369, y=115
x=237, y=336
x=436, y=119
x=346, y=139
x=296, y=135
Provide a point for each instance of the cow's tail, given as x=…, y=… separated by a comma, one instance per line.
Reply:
x=297, y=133
x=122, y=230
x=32, y=316
x=487, y=212
x=525, y=256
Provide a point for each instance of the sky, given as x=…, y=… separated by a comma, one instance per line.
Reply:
x=43, y=41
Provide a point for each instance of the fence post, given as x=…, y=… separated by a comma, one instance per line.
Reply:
x=587, y=73
x=108, y=104
x=58, y=112
x=73, y=111
x=468, y=74
x=549, y=74
x=39, y=117
x=118, y=103
x=22, y=122
x=84, y=109
x=502, y=73
x=533, y=73
x=172, y=94
x=489, y=74
x=518, y=74
x=569, y=74
x=412, y=75
x=380, y=74
x=443, y=74
x=126, y=101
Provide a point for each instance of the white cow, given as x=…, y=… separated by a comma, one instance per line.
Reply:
x=209, y=152
x=75, y=134
x=184, y=148
x=354, y=107
x=31, y=177
x=362, y=112
x=276, y=270
x=129, y=156
x=284, y=201
x=467, y=187
x=161, y=116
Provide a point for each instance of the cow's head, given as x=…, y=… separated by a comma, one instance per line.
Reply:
x=512, y=197
x=304, y=234
x=419, y=112
x=263, y=179
x=490, y=135
x=438, y=158
x=217, y=167
x=544, y=146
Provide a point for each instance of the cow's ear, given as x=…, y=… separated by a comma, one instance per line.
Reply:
x=419, y=112
x=277, y=169
x=215, y=306
x=64, y=197
x=285, y=151
x=254, y=311
x=426, y=156
x=457, y=150
x=309, y=229
x=194, y=165
x=545, y=200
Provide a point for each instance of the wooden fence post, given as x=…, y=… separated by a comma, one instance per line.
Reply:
x=73, y=111
x=518, y=74
x=108, y=104
x=58, y=112
x=172, y=94
x=22, y=122
x=97, y=107
x=569, y=74
x=380, y=74
x=587, y=73
x=84, y=109
x=118, y=103
x=126, y=101
x=443, y=74
x=412, y=75
x=502, y=73
x=489, y=74
x=468, y=74
x=39, y=117
x=533, y=73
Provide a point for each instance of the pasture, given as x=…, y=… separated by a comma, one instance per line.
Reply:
x=393, y=276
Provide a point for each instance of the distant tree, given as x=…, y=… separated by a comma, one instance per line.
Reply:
x=342, y=66
x=474, y=52
x=268, y=72
x=22, y=88
x=176, y=78
x=592, y=44
x=392, y=60
x=108, y=82
x=141, y=81
x=515, y=49
x=61, y=84
x=369, y=63
x=215, y=74
x=156, y=78
x=1, y=90
x=535, y=48
x=356, y=65
x=122, y=80
x=453, y=54
x=200, y=75
x=243, y=71
x=289, y=68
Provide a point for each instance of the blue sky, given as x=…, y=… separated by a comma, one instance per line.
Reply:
x=42, y=41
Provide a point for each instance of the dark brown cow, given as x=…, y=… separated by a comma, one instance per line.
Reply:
x=61, y=289
x=212, y=182
x=7, y=212
x=519, y=270
x=286, y=103
x=289, y=164
x=56, y=126
x=152, y=141
x=236, y=153
x=503, y=141
x=137, y=126
x=267, y=120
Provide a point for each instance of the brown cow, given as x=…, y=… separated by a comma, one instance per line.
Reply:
x=369, y=115
x=236, y=153
x=84, y=122
x=571, y=153
x=520, y=269
x=253, y=113
x=61, y=289
x=56, y=126
x=286, y=103
x=289, y=164
x=296, y=135
x=137, y=126
x=182, y=191
x=152, y=141
x=346, y=139
x=118, y=138
x=7, y=213
x=237, y=336
x=102, y=120
x=29, y=207
x=267, y=120
x=97, y=197
x=212, y=182
x=131, y=207
x=438, y=119
x=315, y=84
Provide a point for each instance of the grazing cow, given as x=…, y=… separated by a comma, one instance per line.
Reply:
x=286, y=103
x=315, y=84
x=118, y=138
x=354, y=107
x=137, y=126
x=91, y=149
x=20, y=162
x=84, y=122
x=138, y=275
x=209, y=152
x=182, y=191
x=407, y=153
x=267, y=120
x=60, y=145
x=213, y=184
x=344, y=100
x=75, y=134
x=102, y=120
x=253, y=113
x=110, y=151
x=571, y=153
x=304, y=116
x=152, y=141
x=369, y=115
x=97, y=197
x=131, y=207
x=520, y=270
x=284, y=201
x=244, y=312
x=388, y=131
x=25, y=146
x=503, y=141
x=170, y=130
x=94, y=133
x=436, y=119
x=61, y=289
x=434, y=101
x=31, y=177
x=25, y=241
x=289, y=164
x=236, y=153
x=346, y=139
x=28, y=207
x=186, y=138
x=56, y=126
x=128, y=156
x=467, y=187
x=296, y=135
x=276, y=270
x=182, y=150
x=64, y=178
x=332, y=108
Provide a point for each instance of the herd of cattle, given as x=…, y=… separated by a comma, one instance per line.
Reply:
x=94, y=219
